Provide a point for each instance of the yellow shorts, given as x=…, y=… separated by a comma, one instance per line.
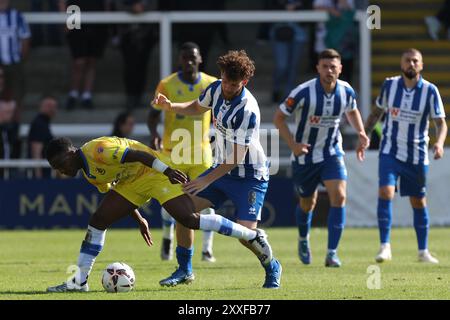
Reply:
x=192, y=170
x=144, y=188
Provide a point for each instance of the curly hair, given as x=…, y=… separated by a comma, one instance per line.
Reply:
x=236, y=65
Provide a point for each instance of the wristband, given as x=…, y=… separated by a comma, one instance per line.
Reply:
x=159, y=166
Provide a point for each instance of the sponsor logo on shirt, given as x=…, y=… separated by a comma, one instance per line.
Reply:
x=323, y=121
x=100, y=171
x=290, y=103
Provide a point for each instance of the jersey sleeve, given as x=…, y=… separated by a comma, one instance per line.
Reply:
x=381, y=100
x=350, y=104
x=294, y=101
x=206, y=98
x=436, y=105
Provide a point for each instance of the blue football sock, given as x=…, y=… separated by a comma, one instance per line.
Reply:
x=336, y=221
x=421, y=225
x=303, y=221
x=384, y=212
x=184, y=258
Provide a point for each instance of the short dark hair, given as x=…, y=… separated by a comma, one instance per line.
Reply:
x=189, y=46
x=411, y=50
x=329, y=54
x=56, y=147
x=236, y=65
x=118, y=122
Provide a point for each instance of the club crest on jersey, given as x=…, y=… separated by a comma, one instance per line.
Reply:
x=395, y=112
x=314, y=119
x=100, y=149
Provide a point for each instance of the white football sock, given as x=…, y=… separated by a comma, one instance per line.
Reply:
x=90, y=248
x=215, y=222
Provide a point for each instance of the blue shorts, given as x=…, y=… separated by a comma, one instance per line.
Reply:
x=247, y=195
x=412, y=176
x=308, y=176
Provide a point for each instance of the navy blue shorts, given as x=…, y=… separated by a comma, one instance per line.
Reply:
x=412, y=176
x=308, y=176
x=247, y=195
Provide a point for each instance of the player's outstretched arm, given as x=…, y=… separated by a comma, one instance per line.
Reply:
x=279, y=120
x=373, y=119
x=143, y=227
x=441, y=134
x=152, y=124
x=175, y=176
x=231, y=161
x=354, y=117
x=190, y=108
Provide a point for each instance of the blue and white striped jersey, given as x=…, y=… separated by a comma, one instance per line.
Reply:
x=405, y=130
x=318, y=117
x=236, y=122
x=13, y=28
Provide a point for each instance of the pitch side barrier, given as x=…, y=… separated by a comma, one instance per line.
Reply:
x=50, y=203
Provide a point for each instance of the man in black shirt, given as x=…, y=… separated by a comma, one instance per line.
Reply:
x=40, y=133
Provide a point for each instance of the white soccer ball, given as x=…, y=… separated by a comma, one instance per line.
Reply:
x=118, y=277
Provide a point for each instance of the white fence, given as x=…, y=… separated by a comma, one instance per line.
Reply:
x=166, y=19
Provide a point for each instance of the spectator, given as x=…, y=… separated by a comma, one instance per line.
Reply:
x=287, y=40
x=123, y=125
x=40, y=133
x=441, y=19
x=15, y=44
x=8, y=133
x=42, y=33
x=136, y=43
x=87, y=45
x=338, y=32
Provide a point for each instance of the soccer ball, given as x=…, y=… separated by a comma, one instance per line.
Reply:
x=118, y=277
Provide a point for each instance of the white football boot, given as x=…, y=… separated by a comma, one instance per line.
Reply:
x=425, y=256
x=384, y=254
x=69, y=286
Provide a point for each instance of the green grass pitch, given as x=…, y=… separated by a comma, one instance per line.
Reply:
x=32, y=260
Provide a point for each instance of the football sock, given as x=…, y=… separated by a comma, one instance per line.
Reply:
x=303, y=222
x=421, y=225
x=215, y=222
x=168, y=224
x=384, y=212
x=336, y=221
x=208, y=236
x=184, y=258
x=90, y=248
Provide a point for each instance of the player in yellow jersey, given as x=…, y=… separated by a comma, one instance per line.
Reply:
x=130, y=173
x=192, y=153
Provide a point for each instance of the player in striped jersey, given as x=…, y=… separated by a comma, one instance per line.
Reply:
x=240, y=170
x=317, y=154
x=408, y=102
